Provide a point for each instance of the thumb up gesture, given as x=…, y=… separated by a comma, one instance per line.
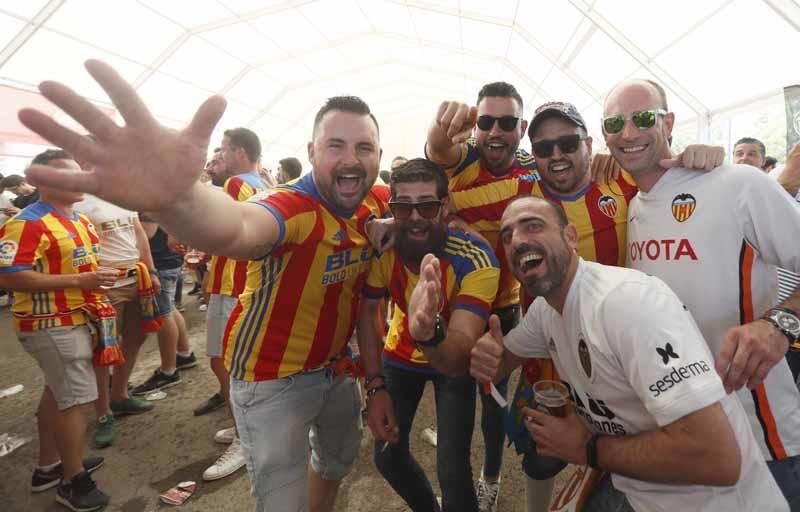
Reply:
x=487, y=354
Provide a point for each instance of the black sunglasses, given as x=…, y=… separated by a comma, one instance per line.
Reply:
x=426, y=209
x=566, y=143
x=507, y=123
x=642, y=119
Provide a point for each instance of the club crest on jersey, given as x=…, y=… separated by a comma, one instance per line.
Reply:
x=683, y=206
x=607, y=205
x=586, y=359
x=8, y=250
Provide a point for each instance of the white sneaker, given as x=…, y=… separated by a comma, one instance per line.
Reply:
x=488, y=495
x=225, y=436
x=229, y=462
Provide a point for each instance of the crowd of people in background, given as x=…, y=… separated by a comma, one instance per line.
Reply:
x=486, y=258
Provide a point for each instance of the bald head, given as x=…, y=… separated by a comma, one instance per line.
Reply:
x=638, y=86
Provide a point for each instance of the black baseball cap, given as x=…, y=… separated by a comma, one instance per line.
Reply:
x=555, y=109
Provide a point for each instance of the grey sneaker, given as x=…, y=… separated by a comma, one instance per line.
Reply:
x=159, y=380
x=182, y=363
x=212, y=404
x=488, y=495
x=81, y=494
x=43, y=480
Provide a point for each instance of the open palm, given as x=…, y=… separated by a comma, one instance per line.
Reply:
x=142, y=166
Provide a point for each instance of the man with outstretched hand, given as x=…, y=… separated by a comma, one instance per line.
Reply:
x=311, y=238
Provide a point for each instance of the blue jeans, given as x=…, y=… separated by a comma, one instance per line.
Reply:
x=493, y=417
x=786, y=473
x=455, y=413
x=166, y=297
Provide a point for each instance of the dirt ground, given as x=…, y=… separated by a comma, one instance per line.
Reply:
x=154, y=451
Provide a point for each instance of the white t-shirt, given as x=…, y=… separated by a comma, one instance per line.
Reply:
x=5, y=202
x=715, y=239
x=115, y=225
x=635, y=361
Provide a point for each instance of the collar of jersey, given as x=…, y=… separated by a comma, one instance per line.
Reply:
x=47, y=208
x=306, y=185
x=566, y=198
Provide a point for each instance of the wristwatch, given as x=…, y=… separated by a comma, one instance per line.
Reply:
x=439, y=334
x=786, y=321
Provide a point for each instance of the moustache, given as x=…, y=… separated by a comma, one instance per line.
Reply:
x=341, y=171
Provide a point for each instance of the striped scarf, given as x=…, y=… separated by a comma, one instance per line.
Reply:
x=151, y=319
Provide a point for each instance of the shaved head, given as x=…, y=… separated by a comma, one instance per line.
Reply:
x=638, y=85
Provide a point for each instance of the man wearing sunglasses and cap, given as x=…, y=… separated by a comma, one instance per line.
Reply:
x=470, y=274
x=715, y=238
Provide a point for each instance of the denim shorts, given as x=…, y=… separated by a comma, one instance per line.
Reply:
x=278, y=420
x=166, y=298
x=219, y=311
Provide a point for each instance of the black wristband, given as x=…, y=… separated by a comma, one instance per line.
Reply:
x=591, y=451
x=372, y=391
x=369, y=380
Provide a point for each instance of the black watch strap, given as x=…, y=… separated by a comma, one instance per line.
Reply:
x=439, y=334
x=591, y=451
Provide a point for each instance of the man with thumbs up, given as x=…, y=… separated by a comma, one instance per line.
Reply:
x=649, y=409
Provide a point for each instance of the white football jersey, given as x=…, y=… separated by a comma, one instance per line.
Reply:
x=635, y=361
x=715, y=239
x=115, y=225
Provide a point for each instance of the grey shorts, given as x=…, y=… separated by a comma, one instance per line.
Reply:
x=219, y=311
x=65, y=356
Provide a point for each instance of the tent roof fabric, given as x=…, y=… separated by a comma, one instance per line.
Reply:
x=276, y=61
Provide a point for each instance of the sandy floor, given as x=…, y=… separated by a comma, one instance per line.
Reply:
x=155, y=451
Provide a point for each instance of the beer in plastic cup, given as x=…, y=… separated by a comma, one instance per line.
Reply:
x=552, y=396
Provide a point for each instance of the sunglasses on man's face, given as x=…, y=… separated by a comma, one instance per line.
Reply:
x=507, y=123
x=643, y=120
x=426, y=209
x=566, y=143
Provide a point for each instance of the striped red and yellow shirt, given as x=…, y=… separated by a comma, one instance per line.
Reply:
x=599, y=212
x=298, y=309
x=469, y=178
x=470, y=273
x=42, y=239
x=227, y=276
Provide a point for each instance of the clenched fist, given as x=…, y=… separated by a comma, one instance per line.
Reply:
x=457, y=120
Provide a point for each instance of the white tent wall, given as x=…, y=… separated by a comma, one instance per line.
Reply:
x=723, y=62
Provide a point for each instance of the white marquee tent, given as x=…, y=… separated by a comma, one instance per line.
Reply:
x=723, y=62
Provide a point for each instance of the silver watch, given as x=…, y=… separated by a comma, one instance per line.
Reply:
x=786, y=321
